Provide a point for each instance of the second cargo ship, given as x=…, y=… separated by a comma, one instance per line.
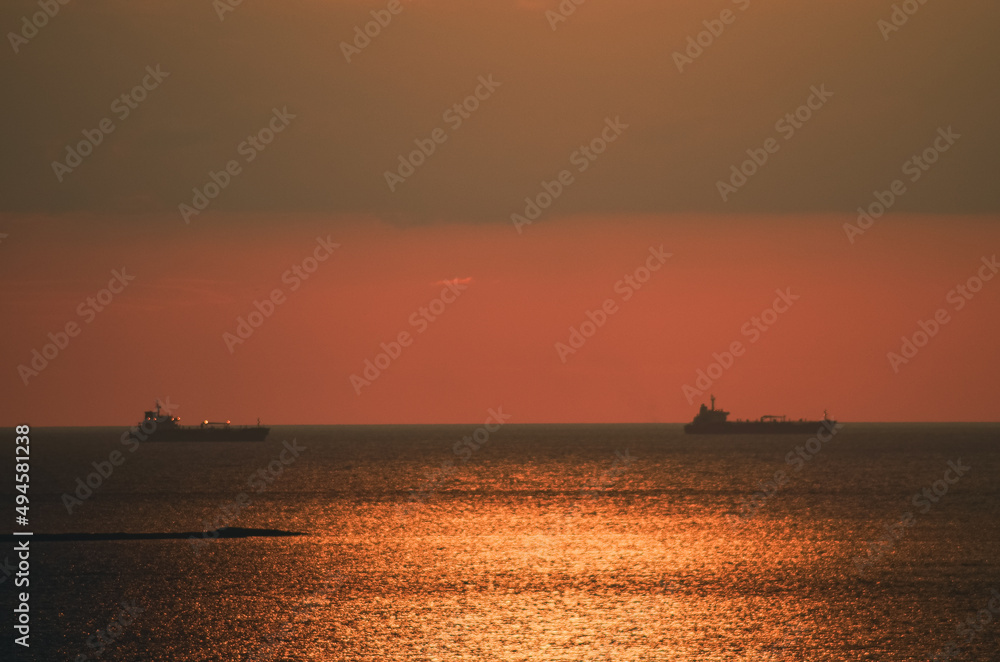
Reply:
x=714, y=421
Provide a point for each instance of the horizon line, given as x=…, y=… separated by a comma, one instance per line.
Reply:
x=549, y=423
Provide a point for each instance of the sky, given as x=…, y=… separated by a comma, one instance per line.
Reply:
x=292, y=128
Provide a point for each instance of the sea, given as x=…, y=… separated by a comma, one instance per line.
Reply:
x=522, y=542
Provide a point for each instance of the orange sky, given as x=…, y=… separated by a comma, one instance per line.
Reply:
x=309, y=135
x=495, y=345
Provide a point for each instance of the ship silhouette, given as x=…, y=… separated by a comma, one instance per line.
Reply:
x=167, y=428
x=714, y=421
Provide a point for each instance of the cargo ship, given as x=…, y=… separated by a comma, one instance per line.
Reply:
x=167, y=428
x=714, y=421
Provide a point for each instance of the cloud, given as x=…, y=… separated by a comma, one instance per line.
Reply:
x=355, y=119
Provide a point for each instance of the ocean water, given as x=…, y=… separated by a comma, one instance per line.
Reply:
x=631, y=542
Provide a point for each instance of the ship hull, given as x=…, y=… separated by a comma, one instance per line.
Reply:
x=210, y=434
x=758, y=427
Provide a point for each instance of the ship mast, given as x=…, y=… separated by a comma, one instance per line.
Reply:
x=713, y=403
